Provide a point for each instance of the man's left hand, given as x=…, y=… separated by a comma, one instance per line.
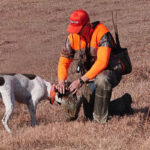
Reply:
x=75, y=85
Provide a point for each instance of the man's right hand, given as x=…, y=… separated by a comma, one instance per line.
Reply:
x=61, y=86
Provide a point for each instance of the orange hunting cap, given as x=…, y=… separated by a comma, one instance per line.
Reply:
x=77, y=20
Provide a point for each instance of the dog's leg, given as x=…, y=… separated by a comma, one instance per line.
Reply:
x=36, y=95
x=8, y=100
x=32, y=110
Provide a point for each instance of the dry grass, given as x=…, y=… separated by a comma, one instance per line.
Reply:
x=32, y=35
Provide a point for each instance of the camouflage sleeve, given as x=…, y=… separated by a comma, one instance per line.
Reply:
x=106, y=40
x=68, y=51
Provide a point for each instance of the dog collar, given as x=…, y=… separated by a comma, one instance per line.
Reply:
x=52, y=94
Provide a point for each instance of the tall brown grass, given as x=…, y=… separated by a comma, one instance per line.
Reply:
x=32, y=36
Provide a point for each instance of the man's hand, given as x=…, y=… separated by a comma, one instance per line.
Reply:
x=61, y=86
x=75, y=85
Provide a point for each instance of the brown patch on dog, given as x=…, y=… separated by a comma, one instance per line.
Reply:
x=2, y=81
x=30, y=76
x=9, y=74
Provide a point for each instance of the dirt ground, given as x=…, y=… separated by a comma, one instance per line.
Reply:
x=32, y=34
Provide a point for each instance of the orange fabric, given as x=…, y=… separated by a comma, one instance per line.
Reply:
x=77, y=43
x=52, y=94
x=63, y=66
x=99, y=31
x=77, y=19
x=103, y=54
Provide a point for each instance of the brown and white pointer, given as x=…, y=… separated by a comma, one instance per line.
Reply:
x=24, y=88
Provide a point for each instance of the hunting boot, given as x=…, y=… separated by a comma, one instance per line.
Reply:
x=103, y=92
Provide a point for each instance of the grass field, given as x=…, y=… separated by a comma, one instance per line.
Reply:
x=32, y=34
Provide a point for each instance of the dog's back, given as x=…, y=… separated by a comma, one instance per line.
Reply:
x=20, y=84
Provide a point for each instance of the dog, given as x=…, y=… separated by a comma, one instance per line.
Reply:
x=27, y=89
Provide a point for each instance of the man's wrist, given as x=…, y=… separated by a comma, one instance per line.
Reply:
x=81, y=81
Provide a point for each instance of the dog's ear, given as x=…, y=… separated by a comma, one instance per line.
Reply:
x=58, y=93
x=58, y=99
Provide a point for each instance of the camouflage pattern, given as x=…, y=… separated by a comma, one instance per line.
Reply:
x=97, y=94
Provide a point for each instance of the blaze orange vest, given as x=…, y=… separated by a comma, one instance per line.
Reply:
x=98, y=53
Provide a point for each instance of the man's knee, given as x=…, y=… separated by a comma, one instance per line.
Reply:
x=102, y=81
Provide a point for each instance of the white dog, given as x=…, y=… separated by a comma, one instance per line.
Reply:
x=27, y=89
